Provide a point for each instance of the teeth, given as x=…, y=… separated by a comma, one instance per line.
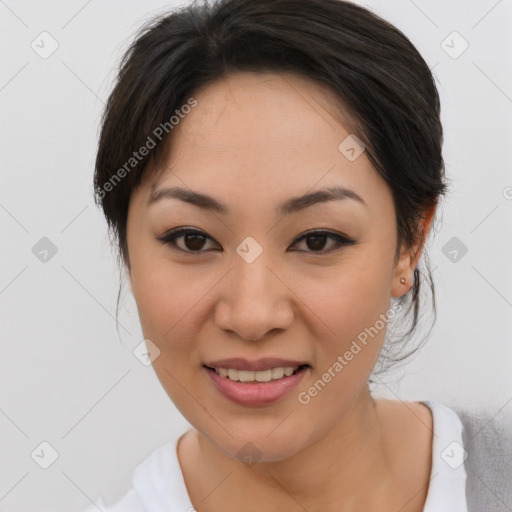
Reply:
x=260, y=376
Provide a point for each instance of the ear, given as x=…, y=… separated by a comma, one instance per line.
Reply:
x=409, y=258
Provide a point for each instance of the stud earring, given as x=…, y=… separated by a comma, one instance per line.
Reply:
x=402, y=280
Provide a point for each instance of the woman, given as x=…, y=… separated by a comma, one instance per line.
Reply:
x=271, y=172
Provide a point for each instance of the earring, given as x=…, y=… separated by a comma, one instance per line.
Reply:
x=402, y=280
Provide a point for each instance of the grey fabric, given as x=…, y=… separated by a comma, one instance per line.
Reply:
x=487, y=438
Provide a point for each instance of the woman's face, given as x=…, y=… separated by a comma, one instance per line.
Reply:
x=252, y=286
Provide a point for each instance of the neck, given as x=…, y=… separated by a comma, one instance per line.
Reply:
x=348, y=469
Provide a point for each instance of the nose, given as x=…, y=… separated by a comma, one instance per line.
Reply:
x=255, y=300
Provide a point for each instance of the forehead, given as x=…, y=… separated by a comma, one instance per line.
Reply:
x=248, y=109
x=279, y=133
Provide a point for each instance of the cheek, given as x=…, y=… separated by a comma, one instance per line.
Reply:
x=354, y=310
x=354, y=304
x=168, y=301
x=353, y=296
x=169, y=307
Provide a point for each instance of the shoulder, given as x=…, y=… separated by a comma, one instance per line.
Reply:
x=130, y=501
x=407, y=421
x=487, y=437
x=157, y=484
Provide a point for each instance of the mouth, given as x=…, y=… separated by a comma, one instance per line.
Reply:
x=255, y=388
x=252, y=376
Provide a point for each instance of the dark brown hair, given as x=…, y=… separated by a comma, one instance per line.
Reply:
x=382, y=83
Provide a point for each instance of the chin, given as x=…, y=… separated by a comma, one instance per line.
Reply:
x=255, y=445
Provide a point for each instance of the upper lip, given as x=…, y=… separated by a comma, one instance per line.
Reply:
x=239, y=363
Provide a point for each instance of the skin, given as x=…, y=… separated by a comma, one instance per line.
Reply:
x=252, y=142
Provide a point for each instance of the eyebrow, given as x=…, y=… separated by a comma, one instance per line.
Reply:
x=293, y=205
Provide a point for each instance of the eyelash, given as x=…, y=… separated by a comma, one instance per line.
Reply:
x=171, y=237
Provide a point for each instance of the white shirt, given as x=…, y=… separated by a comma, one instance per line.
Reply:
x=158, y=484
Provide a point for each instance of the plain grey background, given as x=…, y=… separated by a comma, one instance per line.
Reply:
x=66, y=378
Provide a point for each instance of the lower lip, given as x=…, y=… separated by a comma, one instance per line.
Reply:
x=256, y=393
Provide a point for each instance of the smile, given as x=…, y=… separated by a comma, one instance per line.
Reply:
x=256, y=388
x=257, y=376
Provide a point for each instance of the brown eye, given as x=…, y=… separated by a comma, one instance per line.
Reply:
x=193, y=240
x=316, y=241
